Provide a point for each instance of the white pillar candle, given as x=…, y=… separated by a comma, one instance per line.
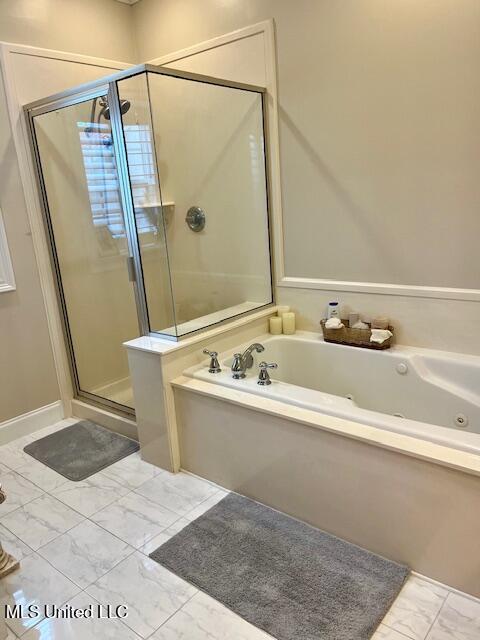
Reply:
x=288, y=323
x=282, y=309
x=276, y=325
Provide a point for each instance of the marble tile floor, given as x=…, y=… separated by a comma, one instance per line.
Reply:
x=87, y=544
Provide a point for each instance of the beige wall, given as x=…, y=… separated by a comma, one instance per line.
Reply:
x=377, y=106
x=27, y=372
x=100, y=28
x=323, y=115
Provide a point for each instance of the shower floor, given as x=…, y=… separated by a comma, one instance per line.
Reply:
x=118, y=391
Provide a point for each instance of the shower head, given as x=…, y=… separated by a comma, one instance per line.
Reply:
x=105, y=111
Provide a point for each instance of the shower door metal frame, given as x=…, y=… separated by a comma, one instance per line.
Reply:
x=108, y=85
x=53, y=104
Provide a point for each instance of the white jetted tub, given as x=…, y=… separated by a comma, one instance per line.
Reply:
x=432, y=395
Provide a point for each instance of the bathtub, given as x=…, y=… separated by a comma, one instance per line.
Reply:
x=426, y=394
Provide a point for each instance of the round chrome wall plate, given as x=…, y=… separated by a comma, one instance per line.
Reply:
x=195, y=219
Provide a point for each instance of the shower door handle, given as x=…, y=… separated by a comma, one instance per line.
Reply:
x=131, y=269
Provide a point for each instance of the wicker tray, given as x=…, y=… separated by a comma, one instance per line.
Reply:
x=354, y=337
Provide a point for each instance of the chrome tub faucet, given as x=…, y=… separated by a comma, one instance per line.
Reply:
x=244, y=361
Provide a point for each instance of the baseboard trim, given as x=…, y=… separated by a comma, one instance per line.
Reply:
x=463, y=594
x=30, y=422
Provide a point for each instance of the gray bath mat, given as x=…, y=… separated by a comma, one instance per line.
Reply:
x=81, y=450
x=285, y=577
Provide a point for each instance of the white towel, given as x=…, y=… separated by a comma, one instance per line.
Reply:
x=380, y=335
x=334, y=323
x=359, y=325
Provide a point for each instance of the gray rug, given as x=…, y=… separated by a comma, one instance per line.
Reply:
x=285, y=577
x=81, y=450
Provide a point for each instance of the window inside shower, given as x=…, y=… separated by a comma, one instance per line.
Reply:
x=102, y=178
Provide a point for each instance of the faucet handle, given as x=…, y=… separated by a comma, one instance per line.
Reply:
x=214, y=365
x=264, y=376
x=268, y=365
x=238, y=368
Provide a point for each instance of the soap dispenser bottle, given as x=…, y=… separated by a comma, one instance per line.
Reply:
x=332, y=310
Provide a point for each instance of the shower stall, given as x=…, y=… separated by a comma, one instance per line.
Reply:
x=153, y=186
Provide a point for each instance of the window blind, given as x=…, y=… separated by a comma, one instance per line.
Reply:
x=102, y=178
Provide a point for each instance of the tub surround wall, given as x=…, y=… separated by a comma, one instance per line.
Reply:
x=155, y=362
x=406, y=444
x=448, y=325
x=404, y=508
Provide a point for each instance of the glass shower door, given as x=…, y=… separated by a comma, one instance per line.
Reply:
x=89, y=246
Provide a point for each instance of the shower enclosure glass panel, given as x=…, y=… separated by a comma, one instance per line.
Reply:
x=89, y=242
x=197, y=170
x=151, y=214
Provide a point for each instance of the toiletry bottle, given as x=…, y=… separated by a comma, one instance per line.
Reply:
x=332, y=311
